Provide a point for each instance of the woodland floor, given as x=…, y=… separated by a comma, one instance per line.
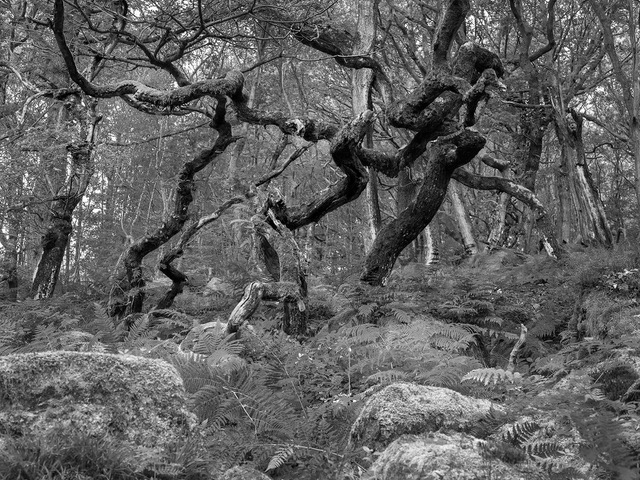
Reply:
x=451, y=326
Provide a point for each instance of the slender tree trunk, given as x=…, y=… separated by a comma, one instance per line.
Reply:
x=464, y=225
x=563, y=187
x=432, y=243
x=55, y=239
x=78, y=245
x=10, y=243
x=362, y=81
x=9, y=268
x=496, y=236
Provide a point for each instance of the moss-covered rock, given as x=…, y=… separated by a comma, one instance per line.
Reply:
x=439, y=456
x=243, y=472
x=137, y=400
x=403, y=408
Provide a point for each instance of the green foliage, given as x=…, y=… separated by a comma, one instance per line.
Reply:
x=616, y=270
x=261, y=410
x=61, y=324
x=487, y=376
x=604, y=446
x=615, y=379
x=67, y=455
x=287, y=407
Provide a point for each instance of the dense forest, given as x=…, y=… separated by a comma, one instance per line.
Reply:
x=372, y=239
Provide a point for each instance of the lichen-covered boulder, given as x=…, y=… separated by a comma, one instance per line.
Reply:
x=439, y=456
x=243, y=472
x=403, y=408
x=137, y=400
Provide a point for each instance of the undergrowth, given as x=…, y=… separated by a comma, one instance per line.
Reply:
x=286, y=407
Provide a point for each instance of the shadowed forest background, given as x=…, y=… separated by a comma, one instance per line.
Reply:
x=254, y=181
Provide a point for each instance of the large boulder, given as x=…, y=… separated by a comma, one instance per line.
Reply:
x=439, y=456
x=403, y=408
x=136, y=400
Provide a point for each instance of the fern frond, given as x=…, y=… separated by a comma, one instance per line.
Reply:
x=492, y=320
x=367, y=309
x=283, y=454
x=362, y=334
x=138, y=332
x=448, y=372
x=400, y=315
x=543, y=448
x=519, y=433
x=492, y=375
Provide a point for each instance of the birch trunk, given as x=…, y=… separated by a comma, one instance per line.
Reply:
x=462, y=218
x=362, y=81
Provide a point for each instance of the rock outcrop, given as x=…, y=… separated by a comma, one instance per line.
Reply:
x=243, y=473
x=439, y=456
x=136, y=400
x=405, y=408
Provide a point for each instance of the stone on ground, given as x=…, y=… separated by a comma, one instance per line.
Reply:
x=405, y=408
x=137, y=400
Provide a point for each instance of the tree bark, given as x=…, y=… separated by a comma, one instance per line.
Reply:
x=361, y=85
x=432, y=244
x=55, y=239
x=590, y=218
x=629, y=81
x=542, y=222
x=9, y=269
x=276, y=246
x=444, y=156
x=127, y=290
x=475, y=71
x=9, y=280
x=464, y=225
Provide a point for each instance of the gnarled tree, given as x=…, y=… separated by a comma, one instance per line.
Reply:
x=437, y=115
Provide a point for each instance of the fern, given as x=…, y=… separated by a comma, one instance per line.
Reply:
x=283, y=454
x=139, y=332
x=603, y=444
x=400, y=315
x=520, y=433
x=543, y=448
x=448, y=372
x=496, y=376
x=166, y=318
x=367, y=310
x=363, y=334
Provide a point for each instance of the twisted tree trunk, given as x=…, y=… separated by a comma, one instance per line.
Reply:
x=445, y=155
x=127, y=287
